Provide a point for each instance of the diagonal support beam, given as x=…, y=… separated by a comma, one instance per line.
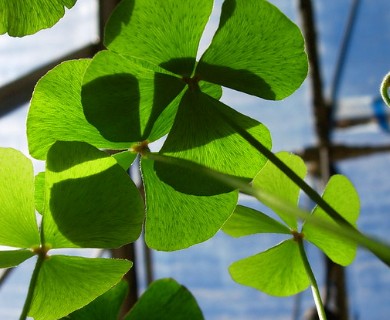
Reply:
x=20, y=91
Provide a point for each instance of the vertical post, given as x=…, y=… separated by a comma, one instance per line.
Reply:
x=322, y=109
x=128, y=252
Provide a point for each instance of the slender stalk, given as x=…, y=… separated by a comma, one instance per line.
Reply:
x=314, y=285
x=347, y=232
x=33, y=283
x=311, y=193
x=42, y=255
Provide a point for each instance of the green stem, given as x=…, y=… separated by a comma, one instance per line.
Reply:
x=311, y=193
x=349, y=233
x=314, y=285
x=33, y=283
x=42, y=255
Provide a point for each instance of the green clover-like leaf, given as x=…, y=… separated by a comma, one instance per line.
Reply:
x=56, y=112
x=165, y=299
x=201, y=134
x=279, y=271
x=342, y=196
x=143, y=98
x=90, y=200
x=137, y=96
x=13, y=258
x=148, y=82
x=105, y=307
x=176, y=220
x=246, y=221
x=20, y=18
x=125, y=159
x=276, y=182
x=17, y=209
x=39, y=184
x=66, y=284
x=256, y=50
x=164, y=33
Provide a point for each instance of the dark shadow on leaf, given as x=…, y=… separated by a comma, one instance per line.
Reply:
x=166, y=89
x=227, y=11
x=180, y=66
x=122, y=18
x=94, y=211
x=241, y=80
x=200, y=120
x=66, y=154
x=111, y=104
x=188, y=181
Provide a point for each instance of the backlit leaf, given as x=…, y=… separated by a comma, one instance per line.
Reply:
x=40, y=192
x=165, y=33
x=105, y=307
x=56, y=112
x=176, y=220
x=91, y=201
x=13, y=258
x=66, y=284
x=125, y=158
x=123, y=98
x=166, y=299
x=201, y=134
x=342, y=196
x=245, y=221
x=256, y=50
x=165, y=121
x=279, y=271
x=18, y=224
x=276, y=182
x=20, y=17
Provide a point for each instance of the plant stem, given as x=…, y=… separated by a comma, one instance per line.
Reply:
x=314, y=286
x=31, y=288
x=42, y=255
x=349, y=233
x=311, y=193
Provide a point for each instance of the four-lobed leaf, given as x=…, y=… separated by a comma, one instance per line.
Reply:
x=282, y=269
x=72, y=216
x=20, y=17
x=149, y=81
